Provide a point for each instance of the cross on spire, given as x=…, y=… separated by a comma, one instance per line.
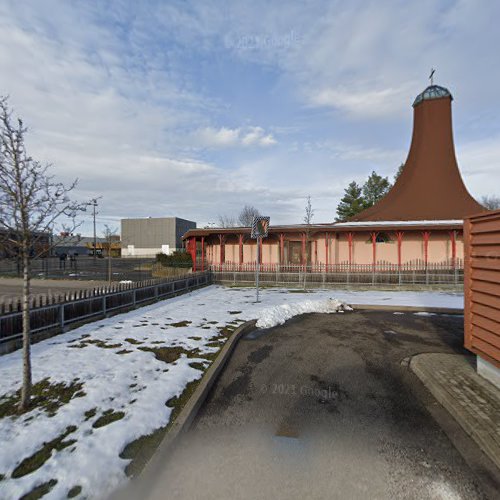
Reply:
x=431, y=76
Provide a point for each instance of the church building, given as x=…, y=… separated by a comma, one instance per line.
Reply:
x=419, y=223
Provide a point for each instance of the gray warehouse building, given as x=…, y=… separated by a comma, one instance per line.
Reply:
x=148, y=237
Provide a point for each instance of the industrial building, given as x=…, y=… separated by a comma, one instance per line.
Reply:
x=153, y=235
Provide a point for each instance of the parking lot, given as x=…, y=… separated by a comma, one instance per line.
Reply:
x=325, y=407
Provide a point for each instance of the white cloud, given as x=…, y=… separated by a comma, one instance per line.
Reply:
x=225, y=137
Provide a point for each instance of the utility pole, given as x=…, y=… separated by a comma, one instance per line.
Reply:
x=93, y=202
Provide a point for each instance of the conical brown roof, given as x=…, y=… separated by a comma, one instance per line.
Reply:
x=430, y=186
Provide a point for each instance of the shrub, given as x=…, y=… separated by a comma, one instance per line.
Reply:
x=176, y=259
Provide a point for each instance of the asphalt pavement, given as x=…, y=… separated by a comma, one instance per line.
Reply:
x=326, y=407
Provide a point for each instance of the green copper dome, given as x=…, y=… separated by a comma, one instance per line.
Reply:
x=432, y=92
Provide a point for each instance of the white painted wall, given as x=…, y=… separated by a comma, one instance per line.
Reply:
x=488, y=371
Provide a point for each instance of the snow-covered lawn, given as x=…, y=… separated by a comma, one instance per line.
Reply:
x=120, y=372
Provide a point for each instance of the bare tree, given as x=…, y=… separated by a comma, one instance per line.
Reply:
x=308, y=217
x=31, y=201
x=109, y=234
x=227, y=221
x=491, y=202
x=248, y=212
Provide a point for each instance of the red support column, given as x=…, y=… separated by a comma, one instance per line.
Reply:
x=399, y=236
x=203, y=253
x=282, y=248
x=350, y=241
x=453, y=236
x=426, y=235
x=327, y=240
x=374, y=248
x=240, y=249
x=192, y=251
x=304, y=255
x=315, y=252
x=222, y=249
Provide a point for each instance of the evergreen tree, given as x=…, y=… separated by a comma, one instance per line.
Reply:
x=351, y=204
x=398, y=173
x=375, y=188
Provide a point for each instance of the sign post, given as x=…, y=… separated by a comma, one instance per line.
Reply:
x=260, y=227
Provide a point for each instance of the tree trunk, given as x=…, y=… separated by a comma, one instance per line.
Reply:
x=26, y=389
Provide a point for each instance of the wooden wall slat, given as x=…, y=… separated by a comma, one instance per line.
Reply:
x=486, y=287
x=487, y=336
x=486, y=262
x=487, y=312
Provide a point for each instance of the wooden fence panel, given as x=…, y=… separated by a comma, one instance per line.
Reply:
x=482, y=286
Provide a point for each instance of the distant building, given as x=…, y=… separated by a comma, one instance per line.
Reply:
x=148, y=237
x=81, y=246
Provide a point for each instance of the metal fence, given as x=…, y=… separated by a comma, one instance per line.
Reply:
x=340, y=274
x=82, y=268
x=88, y=305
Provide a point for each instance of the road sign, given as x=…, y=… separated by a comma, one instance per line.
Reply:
x=260, y=226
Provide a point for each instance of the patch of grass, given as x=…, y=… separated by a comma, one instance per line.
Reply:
x=108, y=417
x=40, y=490
x=2, y=477
x=46, y=396
x=214, y=344
x=79, y=338
x=133, y=341
x=170, y=354
x=299, y=291
x=75, y=491
x=234, y=312
x=97, y=343
x=227, y=330
x=90, y=413
x=197, y=366
x=123, y=351
x=194, y=338
x=35, y=461
x=181, y=324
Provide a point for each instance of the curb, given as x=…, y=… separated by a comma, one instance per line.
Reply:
x=395, y=308
x=137, y=486
x=473, y=427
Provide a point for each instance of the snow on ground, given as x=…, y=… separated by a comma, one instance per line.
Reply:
x=115, y=362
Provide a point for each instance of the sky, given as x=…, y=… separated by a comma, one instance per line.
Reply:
x=196, y=108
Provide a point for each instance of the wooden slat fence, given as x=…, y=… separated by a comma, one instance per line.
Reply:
x=482, y=286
